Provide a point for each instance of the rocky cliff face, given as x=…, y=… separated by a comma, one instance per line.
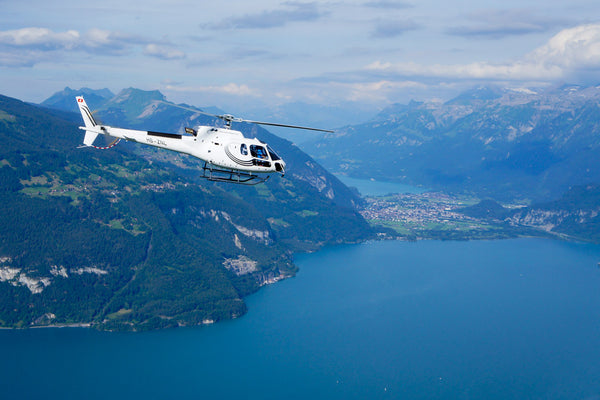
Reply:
x=575, y=214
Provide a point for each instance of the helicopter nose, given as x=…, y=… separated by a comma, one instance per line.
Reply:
x=280, y=166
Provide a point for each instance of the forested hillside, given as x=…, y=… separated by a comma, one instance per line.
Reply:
x=129, y=242
x=576, y=214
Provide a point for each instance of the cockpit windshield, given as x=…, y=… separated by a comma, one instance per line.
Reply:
x=274, y=155
x=258, y=152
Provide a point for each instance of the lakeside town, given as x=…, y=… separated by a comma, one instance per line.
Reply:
x=430, y=215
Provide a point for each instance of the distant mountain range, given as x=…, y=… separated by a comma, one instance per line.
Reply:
x=131, y=238
x=295, y=113
x=500, y=143
x=64, y=100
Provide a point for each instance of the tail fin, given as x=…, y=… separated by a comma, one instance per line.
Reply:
x=88, y=120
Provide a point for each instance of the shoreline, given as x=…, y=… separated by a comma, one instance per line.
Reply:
x=76, y=325
x=548, y=235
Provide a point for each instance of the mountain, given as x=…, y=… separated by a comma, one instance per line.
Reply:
x=486, y=209
x=132, y=239
x=495, y=142
x=63, y=100
x=576, y=214
x=149, y=110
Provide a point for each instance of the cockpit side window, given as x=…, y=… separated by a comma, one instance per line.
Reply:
x=258, y=152
x=274, y=155
x=244, y=149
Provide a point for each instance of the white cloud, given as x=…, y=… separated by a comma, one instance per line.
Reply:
x=479, y=70
x=495, y=24
x=163, y=52
x=40, y=38
x=375, y=91
x=566, y=54
x=229, y=89
x=571, y=49
x=35, y=41
x=102, y=39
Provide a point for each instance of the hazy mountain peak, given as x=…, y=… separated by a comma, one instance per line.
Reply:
x=67, y=91
x=137, y=96
x=480, y=93
x=65, y=99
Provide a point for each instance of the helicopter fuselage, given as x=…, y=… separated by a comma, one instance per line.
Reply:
x=221, y=147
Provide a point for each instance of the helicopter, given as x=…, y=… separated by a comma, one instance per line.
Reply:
x=228, y=156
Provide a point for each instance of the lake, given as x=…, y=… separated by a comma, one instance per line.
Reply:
x=510, y=319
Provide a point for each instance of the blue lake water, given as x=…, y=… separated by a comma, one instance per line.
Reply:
x=510, y=319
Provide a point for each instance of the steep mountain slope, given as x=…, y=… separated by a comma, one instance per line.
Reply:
x=499, y=143
x=138, y=109
x=127, y=242
x=576, y=214
x=284, y=198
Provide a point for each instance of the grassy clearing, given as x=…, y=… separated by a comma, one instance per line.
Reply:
x=119, y=314
x=278, y=222
x=307, y=213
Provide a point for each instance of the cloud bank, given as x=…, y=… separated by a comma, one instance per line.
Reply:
x=571, y=53
x=292, y=12
x=393, y=28
x=35, y=41
x=496, y=24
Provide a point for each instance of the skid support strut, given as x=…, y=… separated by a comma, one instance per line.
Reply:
x=217, y=174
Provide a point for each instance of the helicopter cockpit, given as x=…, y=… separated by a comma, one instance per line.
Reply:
x=279, y=164
x=258, y=152
x=262, y=156
x=274, y=155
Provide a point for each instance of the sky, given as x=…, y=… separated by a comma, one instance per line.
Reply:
x=241, y=55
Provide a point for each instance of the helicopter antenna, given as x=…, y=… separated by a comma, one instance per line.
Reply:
x=228, y=119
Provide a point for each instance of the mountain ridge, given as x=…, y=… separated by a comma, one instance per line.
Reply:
x=63, y=100
x=132, y=241
x=149, y=110
x=505, y=144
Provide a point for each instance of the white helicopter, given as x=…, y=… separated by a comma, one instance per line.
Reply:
x=228, y=156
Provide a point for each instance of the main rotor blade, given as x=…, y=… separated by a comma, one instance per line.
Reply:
x=231, y=118
x=287, y=126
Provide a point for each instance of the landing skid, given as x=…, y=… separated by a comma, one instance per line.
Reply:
x=216, y=174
